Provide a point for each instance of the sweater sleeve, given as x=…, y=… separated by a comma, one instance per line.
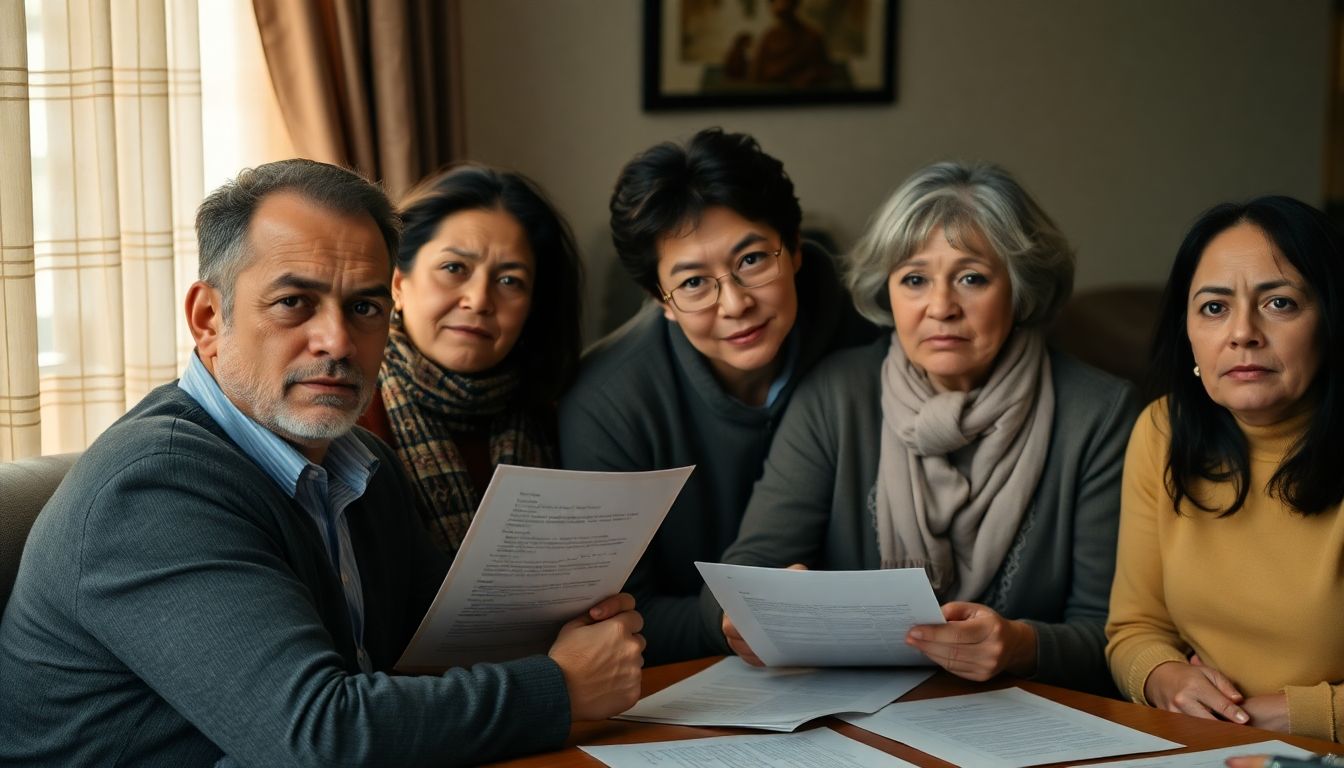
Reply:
x=786, y=519
x=187, y=587
x=1071, y=652
x=595, y=436
x=1141, y=632
x=1316, y=710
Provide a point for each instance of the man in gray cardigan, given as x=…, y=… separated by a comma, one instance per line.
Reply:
x=229, y=573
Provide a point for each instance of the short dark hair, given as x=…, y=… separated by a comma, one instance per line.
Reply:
x=665, y=189
x=223, y=218
x=547, y=351
x=1206, y=442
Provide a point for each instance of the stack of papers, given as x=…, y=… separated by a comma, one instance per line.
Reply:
x=1009, y=728
x=809, y=749
x=734, y=694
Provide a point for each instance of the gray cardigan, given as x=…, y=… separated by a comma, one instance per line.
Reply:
x=811, y=505
x=646, y=399
x=175, y=606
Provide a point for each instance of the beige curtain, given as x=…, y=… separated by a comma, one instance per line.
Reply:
x=117, y=83
x=20, y=430
x=370, y=84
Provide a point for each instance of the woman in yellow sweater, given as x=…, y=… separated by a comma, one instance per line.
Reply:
x=1228, y=599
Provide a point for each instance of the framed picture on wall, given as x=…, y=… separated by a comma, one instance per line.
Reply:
x=729, y=53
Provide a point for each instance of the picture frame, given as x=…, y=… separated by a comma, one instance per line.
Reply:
x=748, y=53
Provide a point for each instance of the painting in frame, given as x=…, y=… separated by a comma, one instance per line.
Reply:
x=729, y=53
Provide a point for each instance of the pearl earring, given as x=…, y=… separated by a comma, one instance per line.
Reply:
x=1196, y=371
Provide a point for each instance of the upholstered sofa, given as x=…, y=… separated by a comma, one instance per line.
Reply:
x=25, y=486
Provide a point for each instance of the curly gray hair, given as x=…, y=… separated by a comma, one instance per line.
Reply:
x=964, y=200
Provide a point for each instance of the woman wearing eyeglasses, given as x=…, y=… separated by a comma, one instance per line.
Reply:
x=485, y=336
x=959, y=443
x=742, y=309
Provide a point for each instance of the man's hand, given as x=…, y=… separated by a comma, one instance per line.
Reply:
x=600, y=654
x=977, y=643
x=1195, y=689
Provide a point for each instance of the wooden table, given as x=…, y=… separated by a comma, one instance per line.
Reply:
x=1197, y=734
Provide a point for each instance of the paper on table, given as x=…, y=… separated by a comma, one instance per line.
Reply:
x=826, y=618
x=543, y=547
x=1210, y=758
x=1009, y=728
x=809, y=749
x=732, y=693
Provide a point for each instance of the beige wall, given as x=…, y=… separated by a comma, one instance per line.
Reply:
x=1126, y=119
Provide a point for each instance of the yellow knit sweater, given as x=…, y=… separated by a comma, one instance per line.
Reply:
x=1258, y=595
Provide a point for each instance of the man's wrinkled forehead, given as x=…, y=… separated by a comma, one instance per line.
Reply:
x=289, y=227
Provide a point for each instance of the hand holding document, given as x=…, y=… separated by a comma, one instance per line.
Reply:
x=732, y=693
x=545, y=546
x=1009, y=728
x=809, y=749
x=826, y=618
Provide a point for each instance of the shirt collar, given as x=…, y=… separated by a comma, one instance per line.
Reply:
x=348, y=459
x=785, y=370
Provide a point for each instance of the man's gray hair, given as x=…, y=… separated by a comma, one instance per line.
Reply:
x=223, y=219
x=964, y=201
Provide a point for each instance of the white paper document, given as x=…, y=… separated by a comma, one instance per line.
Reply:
x=732, y=693
x=809, y=749
x=1008, y=728
x=1210, y=758
x=544, y=546
x=826, y=618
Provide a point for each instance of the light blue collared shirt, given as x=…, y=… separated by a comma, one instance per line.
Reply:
x=323, y=491
x=786, y=370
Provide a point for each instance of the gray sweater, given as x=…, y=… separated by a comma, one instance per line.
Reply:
x=175, y=606
x=646, y=399
x=812, y=505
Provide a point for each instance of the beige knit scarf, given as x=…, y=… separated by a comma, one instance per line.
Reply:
x=956, y=515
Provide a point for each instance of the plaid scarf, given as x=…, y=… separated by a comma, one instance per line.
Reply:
x=427, y=405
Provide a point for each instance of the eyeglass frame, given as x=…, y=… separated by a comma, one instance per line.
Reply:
x=718, y=286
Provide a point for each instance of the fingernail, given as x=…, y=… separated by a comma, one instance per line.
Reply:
x=918, y=634
x=598, y=613
x=1241, y=717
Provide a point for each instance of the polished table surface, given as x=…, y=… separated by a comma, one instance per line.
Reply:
x=1197, y=734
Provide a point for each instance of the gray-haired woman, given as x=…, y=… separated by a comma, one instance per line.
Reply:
x=959, y=443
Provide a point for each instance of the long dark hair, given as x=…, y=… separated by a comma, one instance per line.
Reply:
x=1206, y=442
x=547, y=350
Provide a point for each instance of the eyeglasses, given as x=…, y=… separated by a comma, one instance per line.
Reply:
x=700, y=292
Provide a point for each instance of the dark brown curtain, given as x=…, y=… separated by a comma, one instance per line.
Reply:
x=369, y=84
x=1334, y=142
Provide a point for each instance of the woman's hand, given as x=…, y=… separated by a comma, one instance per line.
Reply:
x=1195, y=689
x=1269, y=711
x=734, y=638
x=977, y=643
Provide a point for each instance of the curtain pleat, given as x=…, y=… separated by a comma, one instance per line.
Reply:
x=187, y=154
x=20, y=425
x=369, y=84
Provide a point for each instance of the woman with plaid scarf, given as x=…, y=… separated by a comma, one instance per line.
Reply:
x=485, y=336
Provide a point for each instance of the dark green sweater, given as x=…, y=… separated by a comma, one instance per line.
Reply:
x=646, y=399
x=175, y=606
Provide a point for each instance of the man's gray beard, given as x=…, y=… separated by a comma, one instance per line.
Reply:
x=274, y=414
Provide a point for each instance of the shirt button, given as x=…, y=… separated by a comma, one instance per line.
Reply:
x=345, y=579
